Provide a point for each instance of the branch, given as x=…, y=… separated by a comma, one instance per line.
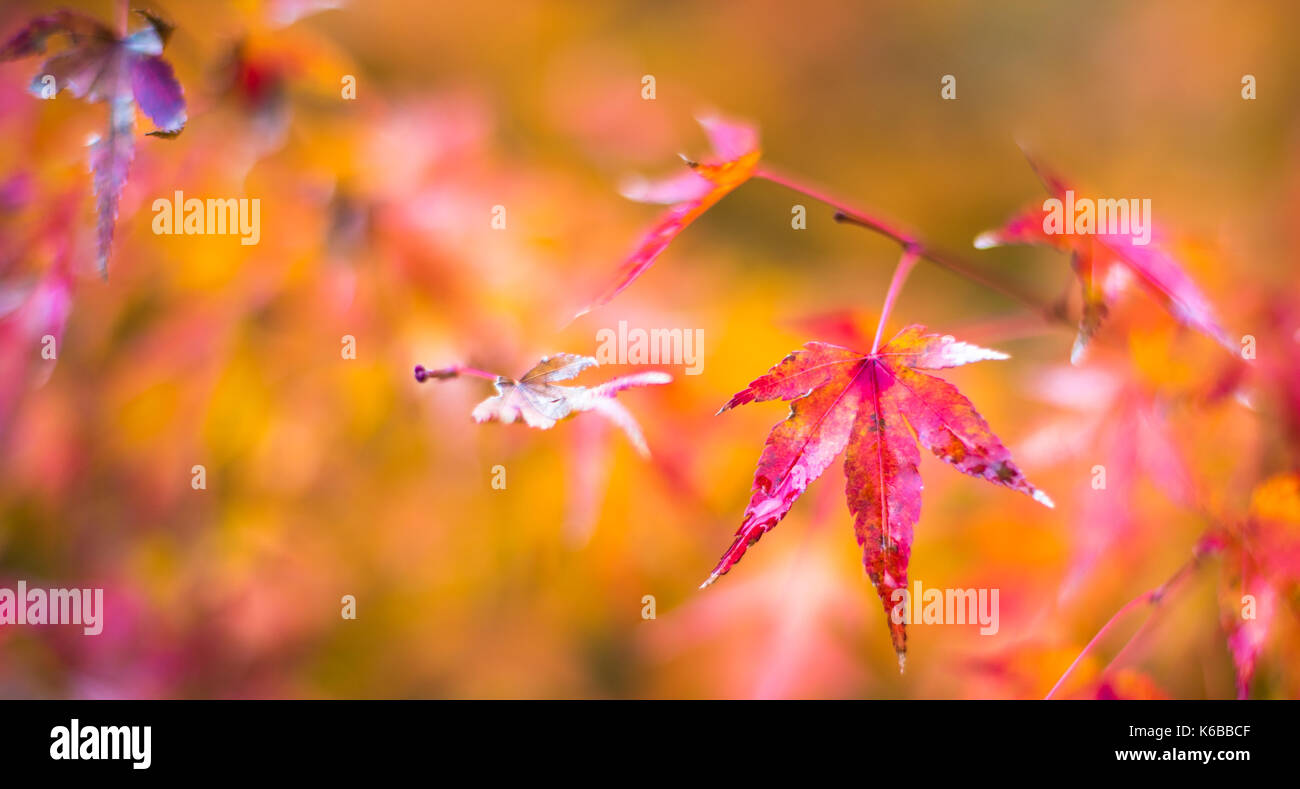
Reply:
x=910, y=242
x=1152, y=598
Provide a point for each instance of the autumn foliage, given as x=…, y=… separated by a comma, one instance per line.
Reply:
x=227, y=438
x=877, y=406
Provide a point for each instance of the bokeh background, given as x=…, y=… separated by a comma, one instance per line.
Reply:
x=329, y=476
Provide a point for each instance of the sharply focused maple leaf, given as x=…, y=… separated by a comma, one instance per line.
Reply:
x=864, y=402
x=690, y=194
x=540, y=402
x=1102, y=261
x=125, y=72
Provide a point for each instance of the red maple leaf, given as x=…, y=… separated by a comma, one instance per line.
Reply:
x=865, y=402
x=1102, y=259
x=691, y=193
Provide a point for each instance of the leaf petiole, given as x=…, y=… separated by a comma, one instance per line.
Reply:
x=905, y=265
x=423, y=374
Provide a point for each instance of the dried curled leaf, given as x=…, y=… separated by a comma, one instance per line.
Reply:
x=540, y=402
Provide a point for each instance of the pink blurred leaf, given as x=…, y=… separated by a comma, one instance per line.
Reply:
x=124, y=72
x=1121, y=425
x=691, y=194
x=731, y=140
x=29, y=315
x=1094, y=258
x=110, y=163
x=689, y=185
x=1261, y=569
x=158, y=93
